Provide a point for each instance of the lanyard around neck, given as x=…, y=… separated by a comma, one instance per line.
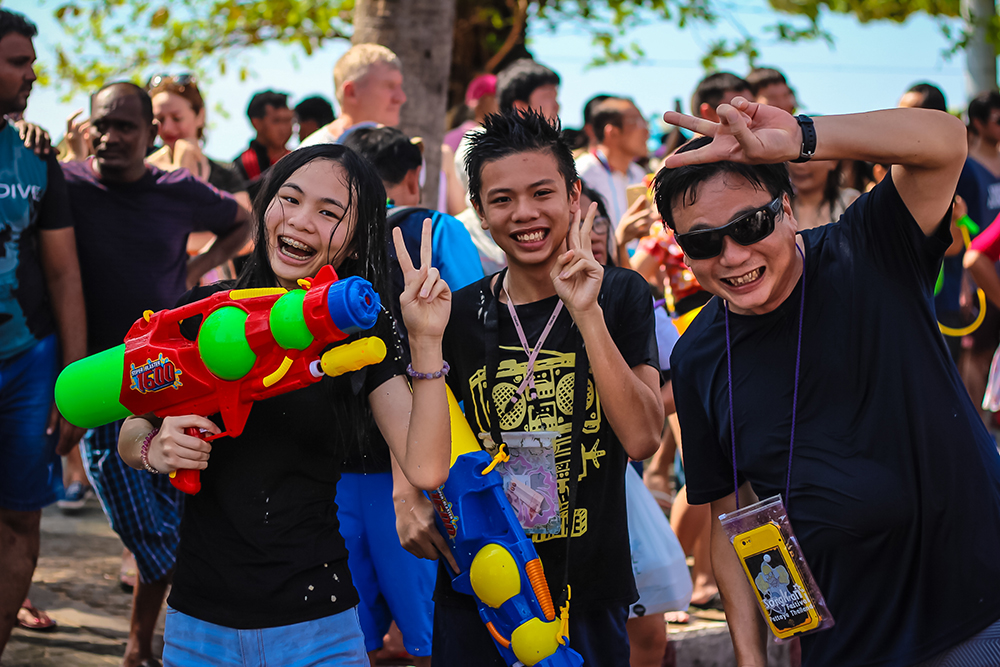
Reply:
x=529, y=371
x=795, y=395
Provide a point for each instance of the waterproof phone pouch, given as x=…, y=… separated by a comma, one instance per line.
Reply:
x=530, y=481
x=787, y=594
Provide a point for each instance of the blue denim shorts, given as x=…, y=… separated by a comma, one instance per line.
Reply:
x=334, y=640
x=30, y=469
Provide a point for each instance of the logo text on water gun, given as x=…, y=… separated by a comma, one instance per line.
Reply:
x=155, y=375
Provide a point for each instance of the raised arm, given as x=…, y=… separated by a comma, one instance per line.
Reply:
x=422, y=450
x=225, y=247
x=630, y=397
x=927, y=148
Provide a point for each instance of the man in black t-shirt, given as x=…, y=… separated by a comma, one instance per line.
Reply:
x=525, y=189
x=818, y=373
x=132, y=226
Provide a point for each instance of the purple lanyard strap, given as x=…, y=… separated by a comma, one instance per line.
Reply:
x=529, y=371
x=795, y=395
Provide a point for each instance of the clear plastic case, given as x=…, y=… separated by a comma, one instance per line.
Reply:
x=787, y=594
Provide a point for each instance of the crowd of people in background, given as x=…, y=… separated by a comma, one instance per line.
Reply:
x=126, y=213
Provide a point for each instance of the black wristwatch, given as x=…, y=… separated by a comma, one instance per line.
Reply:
x=808, y=138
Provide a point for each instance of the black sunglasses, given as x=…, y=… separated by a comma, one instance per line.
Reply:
x=745, y=230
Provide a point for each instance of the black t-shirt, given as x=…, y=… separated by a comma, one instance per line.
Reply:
x=600, y=560
x=895, y=484
x=260, y=543
x=132, y=242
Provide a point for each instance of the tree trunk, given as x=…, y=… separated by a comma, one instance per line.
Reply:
x=980, y=54
x=420, y=33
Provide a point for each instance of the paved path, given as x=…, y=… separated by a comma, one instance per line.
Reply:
x=76, y=582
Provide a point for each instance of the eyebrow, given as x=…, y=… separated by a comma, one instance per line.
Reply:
x=697, y=227
x=328, y=200
x=544, y=181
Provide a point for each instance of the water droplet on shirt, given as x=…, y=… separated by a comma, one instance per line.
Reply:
x=326, y=565
x=307, y=597
x=336, y=578
x=333, y=598
x=310, y=587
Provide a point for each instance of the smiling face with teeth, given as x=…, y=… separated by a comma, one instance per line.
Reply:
x=526, y=208
x=309, y=222
x=754, y=279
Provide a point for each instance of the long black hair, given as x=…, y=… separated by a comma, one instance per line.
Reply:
x=364, y=254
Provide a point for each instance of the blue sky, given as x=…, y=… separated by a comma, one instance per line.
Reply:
x=869, y=68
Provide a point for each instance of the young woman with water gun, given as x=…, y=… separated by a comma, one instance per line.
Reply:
x=261, y=565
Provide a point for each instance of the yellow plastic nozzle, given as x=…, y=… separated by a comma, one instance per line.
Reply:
x=353, y=356
x=563, y=635
x=146, y=314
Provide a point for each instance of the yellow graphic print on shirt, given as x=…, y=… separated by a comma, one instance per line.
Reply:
x=551, y=411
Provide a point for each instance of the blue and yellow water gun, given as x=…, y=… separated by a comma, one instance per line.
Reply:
x=498, y=563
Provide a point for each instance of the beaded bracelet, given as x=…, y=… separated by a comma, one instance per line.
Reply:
x=427, y=376
x=144, y=452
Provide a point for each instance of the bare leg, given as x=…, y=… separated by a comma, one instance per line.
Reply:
x=19, y=537
x=147, y=600
x=692, y=525
x=73, y=468
x=647, y=639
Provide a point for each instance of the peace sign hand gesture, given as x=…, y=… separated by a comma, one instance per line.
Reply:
x=576, y=275
x=426, y=299
x=747, y=132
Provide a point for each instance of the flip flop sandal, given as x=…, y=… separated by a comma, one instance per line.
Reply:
x=31, y=618
x=714, y=602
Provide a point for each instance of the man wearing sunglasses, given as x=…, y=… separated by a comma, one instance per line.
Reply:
x=818, y=374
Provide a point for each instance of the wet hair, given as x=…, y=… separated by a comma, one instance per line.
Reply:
x=264, y=99
x=145, y=101
x=512, y=132
x=762, y=77
x=391, y=152
x=520, y=79
x=680, y=185
x=981, y=105
x=189, y=91
x=364, y=255
x=713, y=87
x=316, y=109
x=933, y=97
x=16, y=23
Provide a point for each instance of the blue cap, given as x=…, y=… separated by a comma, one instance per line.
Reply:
x=354, y=304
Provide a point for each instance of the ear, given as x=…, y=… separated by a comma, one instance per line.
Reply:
x=350, y=91
x=521, y=106
x=477, y=207
x=708, y=113
x=154, y=130
x=611, y=133
x=574, y=196
x=258, y=124
x=412, y=181
x=199, y=119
